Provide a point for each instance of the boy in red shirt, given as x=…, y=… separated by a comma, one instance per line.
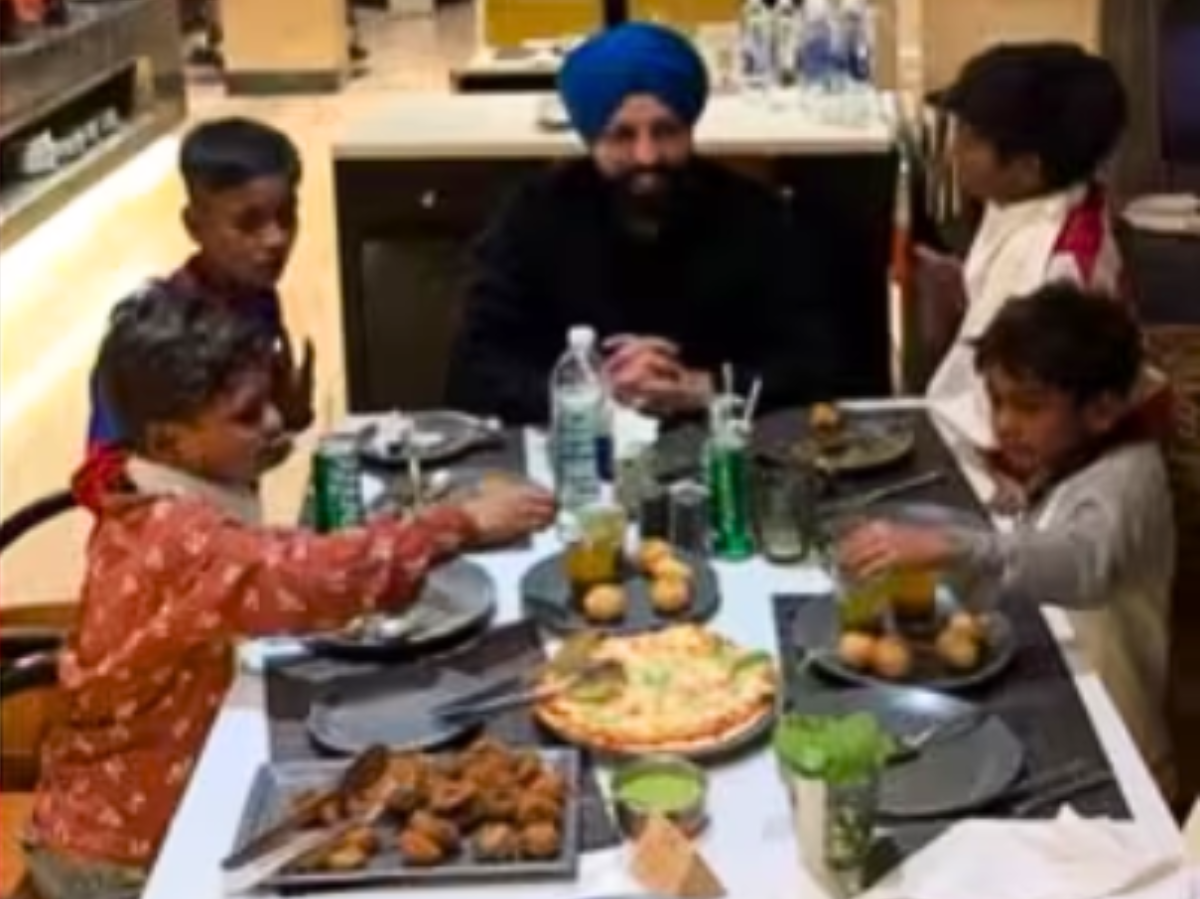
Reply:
x=241, y=178
x=179, y=568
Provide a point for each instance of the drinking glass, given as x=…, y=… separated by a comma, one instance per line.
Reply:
x=783, y=504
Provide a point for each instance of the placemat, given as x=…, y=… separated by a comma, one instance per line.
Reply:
x=1036, y=695
x=499, y=655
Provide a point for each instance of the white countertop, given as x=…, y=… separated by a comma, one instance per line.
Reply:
x=750, y=844
x=490, y=126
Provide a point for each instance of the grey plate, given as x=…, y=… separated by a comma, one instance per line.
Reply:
x=277, y=783
x=443, y=435
x=951, y=778
x=547, y=598
x=464, y=597
x=438, y=486
x=928, y=672
x=870, y=442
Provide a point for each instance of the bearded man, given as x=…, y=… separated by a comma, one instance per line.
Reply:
x=679, y=264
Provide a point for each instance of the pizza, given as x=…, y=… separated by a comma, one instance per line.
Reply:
x=686, y=689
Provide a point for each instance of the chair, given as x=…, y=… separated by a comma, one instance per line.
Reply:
x=30, y=637
x=1176, y=350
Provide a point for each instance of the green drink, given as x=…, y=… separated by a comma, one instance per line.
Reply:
x=729, y=489
x=337, y=485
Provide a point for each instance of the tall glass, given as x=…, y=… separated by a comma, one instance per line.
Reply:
x=783, y=503
x=728, y=465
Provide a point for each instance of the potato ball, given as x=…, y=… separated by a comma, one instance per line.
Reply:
x=892, y=658
x=605, y=603
x=670, y=595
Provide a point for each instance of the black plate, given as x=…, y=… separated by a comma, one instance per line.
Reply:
x=440, y=485
x=548, y=599
x=444, y=435
x=276, y=784
x=353, y=713
x=951, y=778
x=464, y=595
x=930, y=674
x=871, y=441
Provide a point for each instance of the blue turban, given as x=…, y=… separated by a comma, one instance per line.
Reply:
x=635, y=58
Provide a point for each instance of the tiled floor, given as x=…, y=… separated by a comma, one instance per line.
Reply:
x=58, y=285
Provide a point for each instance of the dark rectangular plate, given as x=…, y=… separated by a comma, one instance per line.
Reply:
x=278, y=782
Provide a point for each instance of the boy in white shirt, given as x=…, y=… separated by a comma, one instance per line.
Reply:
x=1033, y=123
x=1097, y=535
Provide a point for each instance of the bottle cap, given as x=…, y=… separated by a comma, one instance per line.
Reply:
x=581, y=337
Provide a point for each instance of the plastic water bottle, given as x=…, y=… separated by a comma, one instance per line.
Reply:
x=817, y=46
x=757, y=45
x=787, y=31
x=578, y=407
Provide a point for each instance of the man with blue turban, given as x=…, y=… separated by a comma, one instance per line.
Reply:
x=679, y=264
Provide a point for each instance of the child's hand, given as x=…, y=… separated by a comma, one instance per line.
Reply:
x=294, y=385
x=880, y=546
x=505, y=512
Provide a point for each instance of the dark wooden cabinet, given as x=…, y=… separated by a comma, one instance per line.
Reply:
x=406, y=227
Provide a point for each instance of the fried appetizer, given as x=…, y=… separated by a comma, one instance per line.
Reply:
x=651, y=552
x=605, y=603
x=419, y=849
x=540, y=841
x=451, y=798
x=670, y=595
x=440, y=830
x=533, y=808
x=496, y=842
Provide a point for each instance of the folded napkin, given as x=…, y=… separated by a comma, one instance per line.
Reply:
x=1068, y=858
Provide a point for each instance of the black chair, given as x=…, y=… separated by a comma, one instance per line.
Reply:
x=28, y=653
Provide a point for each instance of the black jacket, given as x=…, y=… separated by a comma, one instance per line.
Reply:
x=727, y=279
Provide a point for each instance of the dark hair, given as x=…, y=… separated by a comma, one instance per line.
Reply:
x=168, y=354
x=227, y=153
x=1052, y=100
x=1083, y=343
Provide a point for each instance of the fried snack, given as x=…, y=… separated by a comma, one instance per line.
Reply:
x=670, y=595
x=605, y=603
x=441, y=831
x=892, y=658
x=971, y=625
x=540, y=841
x=550, y=784
x=533, y=808
x=452, y=799
x=671, y=568
x=527, y=767
x=498, y=805
x=958, y=649
x=824, y=418
x=352, y=852
x=651, y=552
x=418, y=849
x=330, y=812
x=857, y=650
x=496, y=842
x=346, y=858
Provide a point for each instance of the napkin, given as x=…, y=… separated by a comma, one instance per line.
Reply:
x=1067, y=858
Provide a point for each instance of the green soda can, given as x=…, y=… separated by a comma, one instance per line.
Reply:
x=728, y=462
x=337, y=484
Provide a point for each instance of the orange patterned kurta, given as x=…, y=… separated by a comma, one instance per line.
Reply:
x=171, y=584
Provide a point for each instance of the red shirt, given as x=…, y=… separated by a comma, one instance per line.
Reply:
x=171, y=584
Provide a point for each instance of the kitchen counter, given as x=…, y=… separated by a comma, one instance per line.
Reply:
x=474, y=126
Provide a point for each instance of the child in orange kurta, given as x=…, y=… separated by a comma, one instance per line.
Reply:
x=179, y=567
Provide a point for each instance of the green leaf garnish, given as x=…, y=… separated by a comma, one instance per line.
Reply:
x=835, y=749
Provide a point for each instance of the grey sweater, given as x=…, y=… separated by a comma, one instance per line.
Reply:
x=1101, y=545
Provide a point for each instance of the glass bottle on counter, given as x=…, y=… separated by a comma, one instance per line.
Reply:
x=756, y=37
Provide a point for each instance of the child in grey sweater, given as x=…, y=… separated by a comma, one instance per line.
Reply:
x=1096, y=535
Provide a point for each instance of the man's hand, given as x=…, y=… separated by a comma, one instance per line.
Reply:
x=879, y=546
x=647, y=374
x=502, y=513
x=293, y=385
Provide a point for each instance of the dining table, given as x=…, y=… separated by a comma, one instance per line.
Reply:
x=750, y=843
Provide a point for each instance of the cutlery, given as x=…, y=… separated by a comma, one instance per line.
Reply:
x=385, y=628
x=245, y=877
x=366, y=770
x=1060, y=791
x=872, y=497
x=591, y=682
x=911, y=746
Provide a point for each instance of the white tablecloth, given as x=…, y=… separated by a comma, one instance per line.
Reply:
x=749, y=844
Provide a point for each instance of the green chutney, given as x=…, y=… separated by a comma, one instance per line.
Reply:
x=661, y=791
